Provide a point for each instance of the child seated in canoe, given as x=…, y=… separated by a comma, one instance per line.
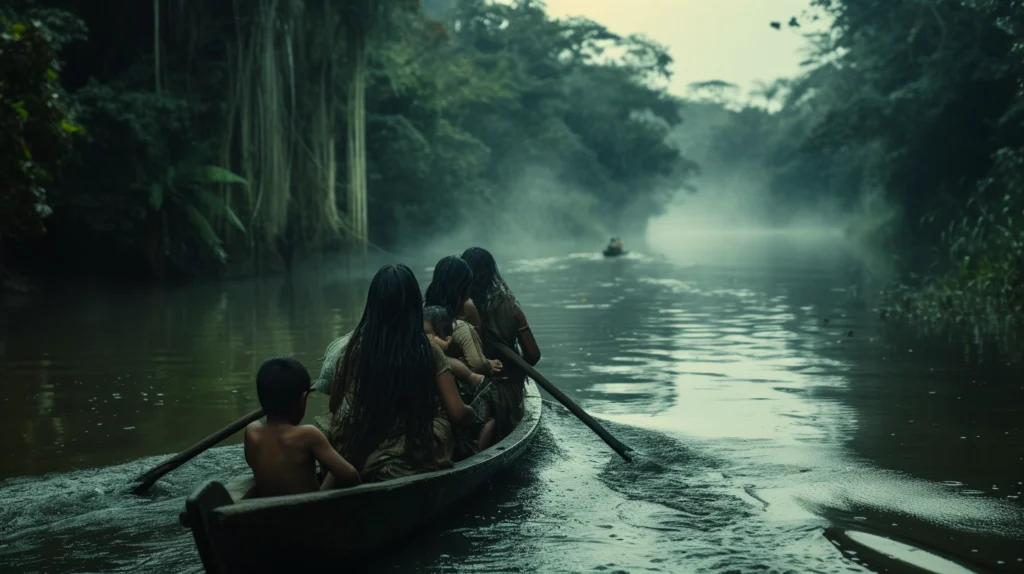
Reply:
x=280, y=452
x=439, y=327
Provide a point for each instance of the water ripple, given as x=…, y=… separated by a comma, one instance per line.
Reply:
x=763, y=409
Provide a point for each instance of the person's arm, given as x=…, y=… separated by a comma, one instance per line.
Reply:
x=458, y=413
x=247, y=440
x=467, y=338
x=344, y=473
x=527, y=342
x=471, y=313
x=462, y=373
x=441, y=343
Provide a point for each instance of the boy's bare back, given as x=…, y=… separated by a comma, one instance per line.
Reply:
x=280, y=452
x=281, y=457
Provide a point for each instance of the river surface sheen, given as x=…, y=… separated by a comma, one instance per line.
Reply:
x=767, y=407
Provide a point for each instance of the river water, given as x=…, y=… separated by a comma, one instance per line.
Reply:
x=770, y=412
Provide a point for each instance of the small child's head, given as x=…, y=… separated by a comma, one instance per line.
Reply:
x=437, y=321
x=282, y=385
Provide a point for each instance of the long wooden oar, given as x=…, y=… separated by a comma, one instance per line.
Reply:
x=149, y=478
x=510, y=355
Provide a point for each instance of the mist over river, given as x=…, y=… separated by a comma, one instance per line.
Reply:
x=753, y=379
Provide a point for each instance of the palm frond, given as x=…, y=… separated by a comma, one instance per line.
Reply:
x=209, y=236
x=217, y=206
x=210, y=174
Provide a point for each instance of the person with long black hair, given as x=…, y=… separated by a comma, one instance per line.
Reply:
x=500, y=319
x=393, y=399
x=449, y=289
x=446, y=297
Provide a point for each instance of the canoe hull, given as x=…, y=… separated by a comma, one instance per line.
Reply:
x=235, y=535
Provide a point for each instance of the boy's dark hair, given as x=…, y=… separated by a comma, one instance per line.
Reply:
x=440, y=320
x=280, y=382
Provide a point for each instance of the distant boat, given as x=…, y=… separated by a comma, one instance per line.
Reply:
x=613, y=252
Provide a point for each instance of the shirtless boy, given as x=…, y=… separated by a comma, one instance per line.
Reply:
x=279, y=451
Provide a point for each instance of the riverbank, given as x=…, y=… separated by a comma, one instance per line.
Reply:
x=972, y=294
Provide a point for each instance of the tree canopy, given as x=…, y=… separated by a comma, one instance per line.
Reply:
x=223, y=137
x=911, y=116
x=36, y=130
x=472, y=108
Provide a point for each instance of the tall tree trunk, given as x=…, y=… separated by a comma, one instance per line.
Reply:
x=3, y=266
x=356, y=40
x=156, y=43
x=156, y=244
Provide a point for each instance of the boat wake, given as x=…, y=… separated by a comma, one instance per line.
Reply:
x=87, y=521
x=565, y=262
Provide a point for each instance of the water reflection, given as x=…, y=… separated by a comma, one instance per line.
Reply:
x=99, y=377
x=757, y=365
x=754, y=389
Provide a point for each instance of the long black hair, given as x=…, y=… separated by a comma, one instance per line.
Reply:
x=449, y=288
x=392, y=364
x=487, y=282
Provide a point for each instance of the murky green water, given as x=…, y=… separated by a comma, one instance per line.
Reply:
x=761, y=424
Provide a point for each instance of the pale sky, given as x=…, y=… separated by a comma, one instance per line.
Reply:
x=727, y=40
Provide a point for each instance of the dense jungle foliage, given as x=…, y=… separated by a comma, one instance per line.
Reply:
x=226, y=136
x=910, y=116
x=206, y=138
x=35, y=130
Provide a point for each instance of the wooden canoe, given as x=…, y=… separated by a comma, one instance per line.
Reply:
x=236, y=534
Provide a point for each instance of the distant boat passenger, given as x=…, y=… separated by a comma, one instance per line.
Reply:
x=614, y=247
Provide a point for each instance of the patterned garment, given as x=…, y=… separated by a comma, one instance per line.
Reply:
x=504, y=399
x=467, y=347
x=330, y=360
x=391, y=458
x=467, y=436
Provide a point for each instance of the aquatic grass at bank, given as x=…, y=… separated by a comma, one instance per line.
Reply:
x=974, y=292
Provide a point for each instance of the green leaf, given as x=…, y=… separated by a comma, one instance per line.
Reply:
x=206, y=232
x=233, y=218
x=69, y=127
x=19, y=108
x=212, y=174
x=217, y=206
x=156, y=196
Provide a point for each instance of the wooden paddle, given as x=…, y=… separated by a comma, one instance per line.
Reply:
x=513, y=357
x=149, y=478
